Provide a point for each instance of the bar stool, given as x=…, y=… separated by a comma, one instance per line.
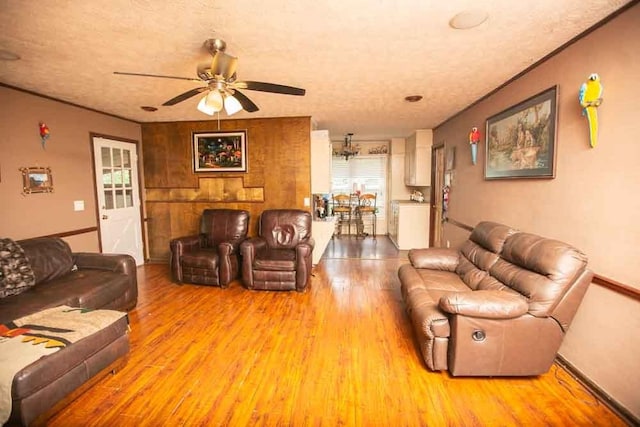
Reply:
x=366, y=210
x=342, y=208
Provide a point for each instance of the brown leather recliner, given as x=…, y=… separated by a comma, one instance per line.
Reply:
x=279, y=258
x=211, y=257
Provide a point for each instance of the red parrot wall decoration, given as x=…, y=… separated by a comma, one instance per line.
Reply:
x=45, y=133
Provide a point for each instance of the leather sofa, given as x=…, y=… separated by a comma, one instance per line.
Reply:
x=499, y=306
x=87, y=280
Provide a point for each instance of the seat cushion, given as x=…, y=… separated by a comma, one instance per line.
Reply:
x=83, y=288
x=275, y=260
x=202, y=258
x=47, y=369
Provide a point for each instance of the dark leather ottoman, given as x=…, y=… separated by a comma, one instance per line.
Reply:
x=47, y=385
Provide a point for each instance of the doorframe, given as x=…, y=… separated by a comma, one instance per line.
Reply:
x=432, y=196
x=143, y=222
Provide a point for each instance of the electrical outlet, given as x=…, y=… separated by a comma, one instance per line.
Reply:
x=307, y=201
x=448, y=244
x=78, y=205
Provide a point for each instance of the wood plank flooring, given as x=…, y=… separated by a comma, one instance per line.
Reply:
x=341, y=354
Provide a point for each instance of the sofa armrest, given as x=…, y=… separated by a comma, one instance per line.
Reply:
x=488, y=304
x=248, y=250
x=180, y=245
x=434, y=258
x=118, y=263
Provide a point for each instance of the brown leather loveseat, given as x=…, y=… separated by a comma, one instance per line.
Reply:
x=500, y=306
x=63, y=278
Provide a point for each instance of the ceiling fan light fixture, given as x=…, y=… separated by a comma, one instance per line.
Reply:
x=204, y=108
x=231, y=105
x=214, y=100
x=468, y=19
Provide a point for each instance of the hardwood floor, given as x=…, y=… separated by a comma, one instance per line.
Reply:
x=343, y=353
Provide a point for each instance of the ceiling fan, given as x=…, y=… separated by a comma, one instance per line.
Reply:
x=221, y=84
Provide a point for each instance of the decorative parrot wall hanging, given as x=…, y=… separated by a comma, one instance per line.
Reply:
x=474, y=138
x=45, y=133
x=590, y=97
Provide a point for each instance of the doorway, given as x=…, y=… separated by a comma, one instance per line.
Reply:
x=118, y=195
x=437, y=179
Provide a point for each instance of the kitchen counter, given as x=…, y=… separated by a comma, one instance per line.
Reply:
x=409, y=224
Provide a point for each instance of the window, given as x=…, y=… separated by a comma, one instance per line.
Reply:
x=369, y=173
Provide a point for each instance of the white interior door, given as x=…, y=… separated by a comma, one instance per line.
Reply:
x=116, y=166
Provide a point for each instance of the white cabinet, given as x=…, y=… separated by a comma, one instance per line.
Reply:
x=409, y=225
x=321, y=232
x=321, y=152
x=417, y=166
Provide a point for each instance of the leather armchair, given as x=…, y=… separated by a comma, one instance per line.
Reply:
x=279, y=258
x=211, y=257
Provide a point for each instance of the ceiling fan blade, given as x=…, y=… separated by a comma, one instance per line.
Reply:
x=247, y=104
x=188, y=94
x=270, y=87
x=156, y=75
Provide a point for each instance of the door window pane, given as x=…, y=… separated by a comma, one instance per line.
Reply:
x=106, y=156
x=107, y=179
x=108, y=199
x=119, y=199
x=117, y=178
x=126, y=177
x=128, y=198
x=117, y=157
x=126, y=154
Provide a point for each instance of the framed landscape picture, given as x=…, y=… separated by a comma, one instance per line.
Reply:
x=36, y=180
x=521, y=141
x=222, y=151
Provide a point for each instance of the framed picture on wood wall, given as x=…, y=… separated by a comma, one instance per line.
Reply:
x=521, y=140
x=221, y=151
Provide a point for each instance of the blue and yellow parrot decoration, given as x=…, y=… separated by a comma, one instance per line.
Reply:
x=590, y=97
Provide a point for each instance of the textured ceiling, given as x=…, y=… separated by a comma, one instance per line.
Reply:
x=357, y=59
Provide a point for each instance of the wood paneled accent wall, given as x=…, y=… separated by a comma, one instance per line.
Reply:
x=278, y=175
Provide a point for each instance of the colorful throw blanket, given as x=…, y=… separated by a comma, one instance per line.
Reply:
x=38, y=335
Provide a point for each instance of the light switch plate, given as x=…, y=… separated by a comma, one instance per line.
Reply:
x=78, y=205
x=307, y=201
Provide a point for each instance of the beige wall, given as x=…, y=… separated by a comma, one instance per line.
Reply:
x=67, y=153
x=593, y=203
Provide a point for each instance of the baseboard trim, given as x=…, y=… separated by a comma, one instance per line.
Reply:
x=598, y=392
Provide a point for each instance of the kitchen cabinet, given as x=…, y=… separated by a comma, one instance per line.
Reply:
x=321, y=231
x=417, y=166
x=321, y=152
x=409, y=227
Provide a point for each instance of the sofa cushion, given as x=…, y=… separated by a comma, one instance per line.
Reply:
x=50, y=257
x=540, y=269
x=491, y=235
x=16, y=274
x=275, y=260
x=481, y=251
